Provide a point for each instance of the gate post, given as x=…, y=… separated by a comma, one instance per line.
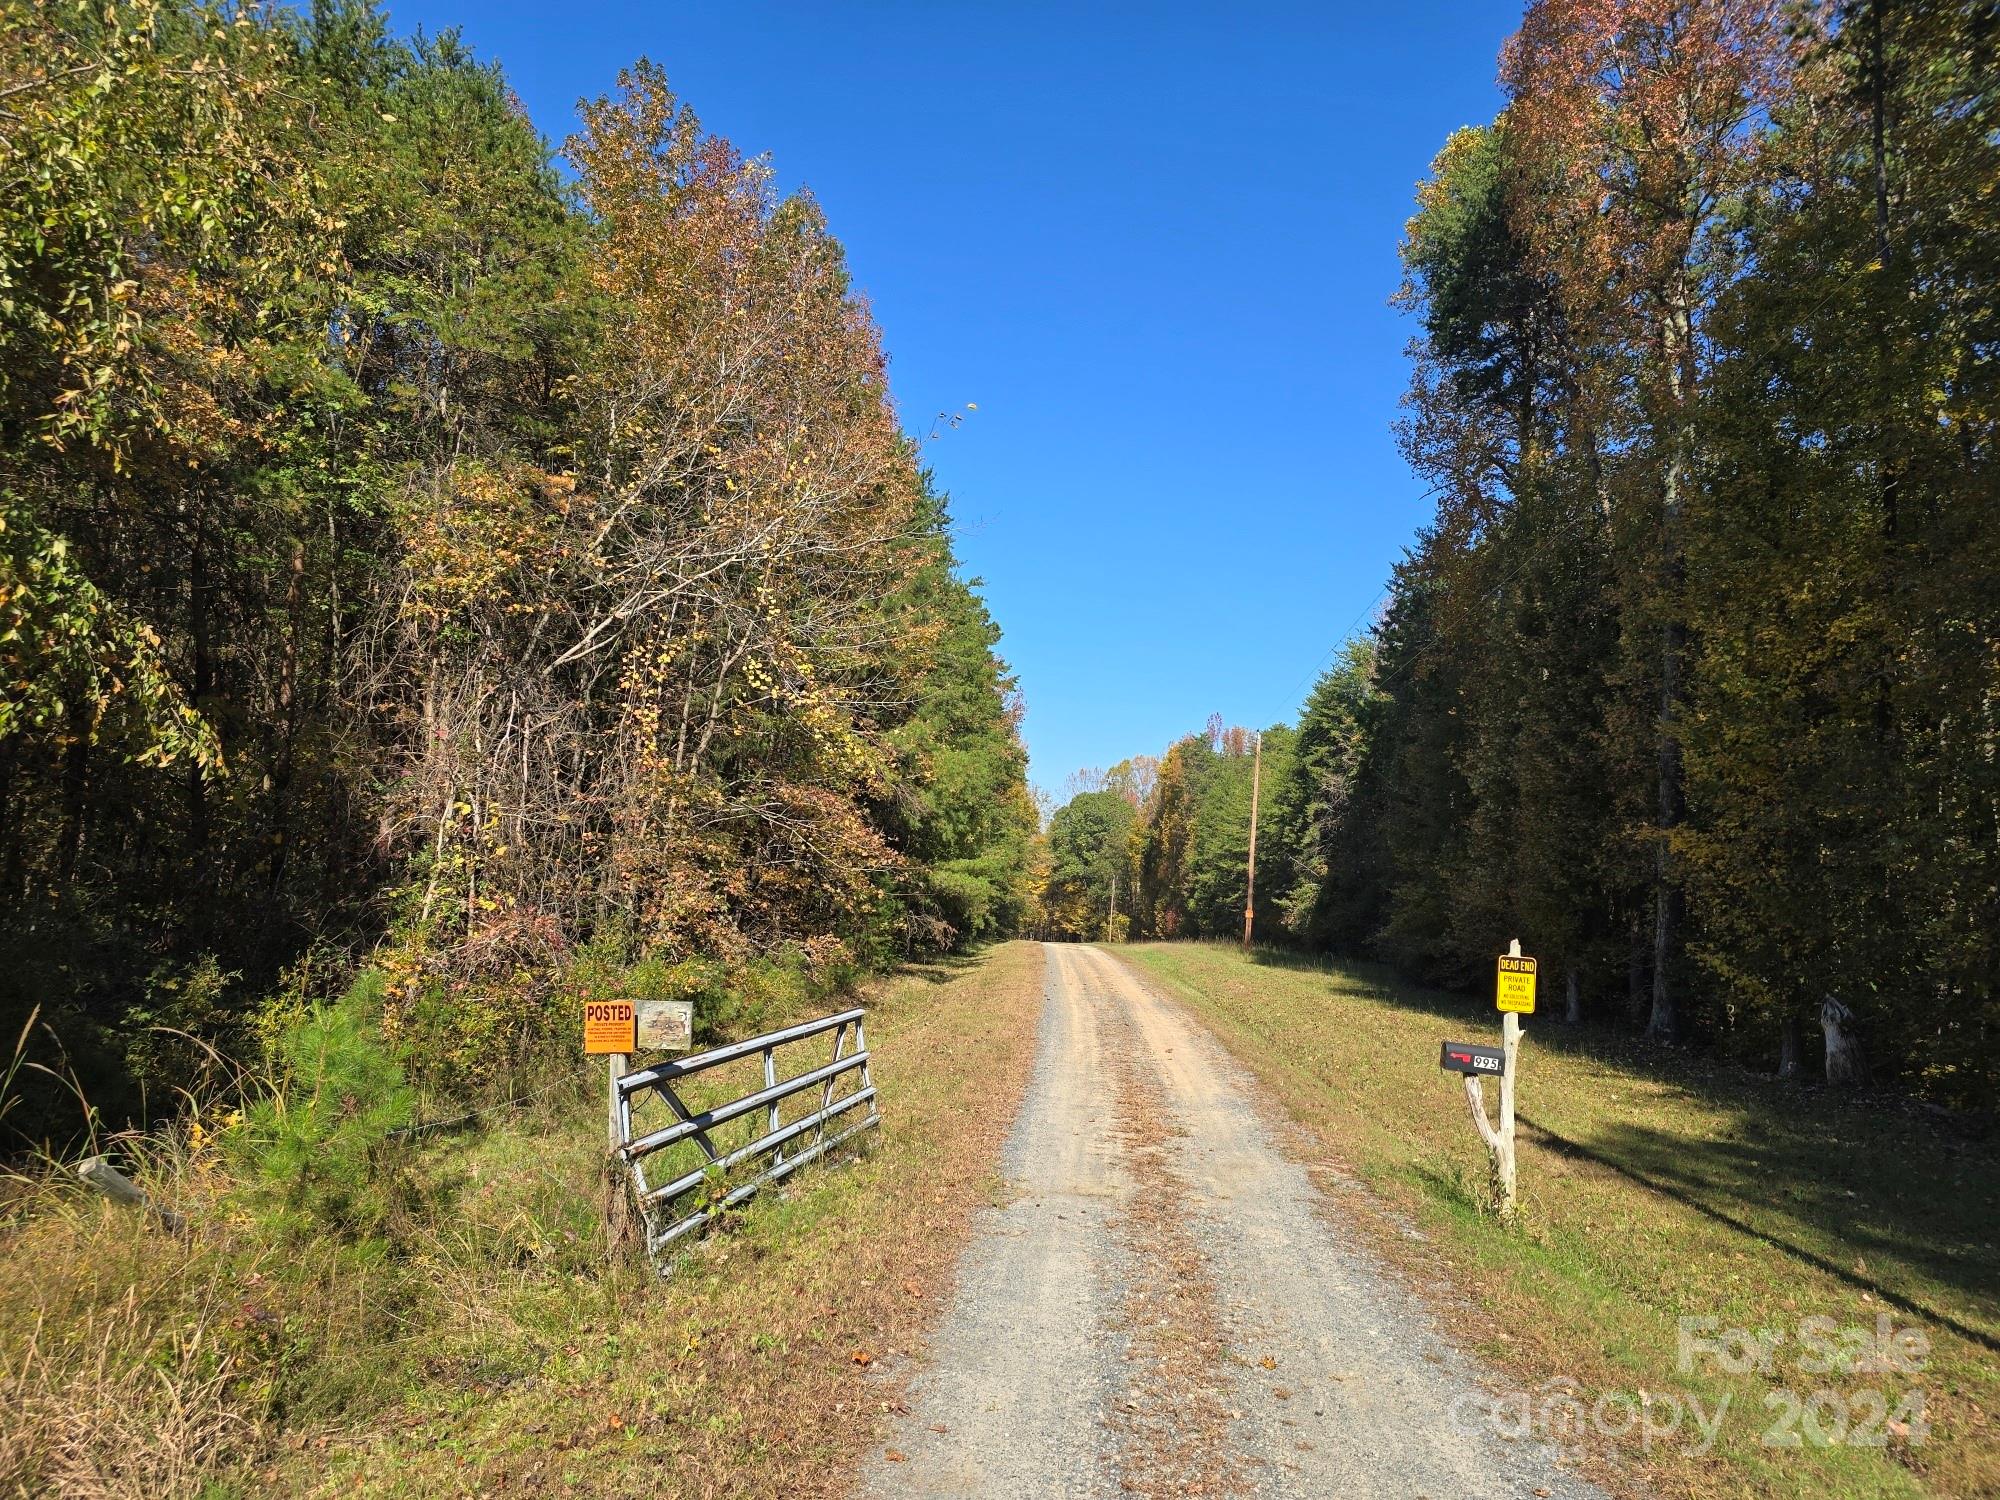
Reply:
x=614, y=1120
x=771, y=1115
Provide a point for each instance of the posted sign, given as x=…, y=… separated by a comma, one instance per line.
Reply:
x=608, y=1026
x=1515, y=990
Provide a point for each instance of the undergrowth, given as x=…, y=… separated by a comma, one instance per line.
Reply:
x=351, y=1214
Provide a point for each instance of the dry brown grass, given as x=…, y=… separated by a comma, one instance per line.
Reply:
x=767, y=1364
x=135, y=1361
x=490, y=1350
x=118, y=1369
x=1173, y=1426
x=106, y=1430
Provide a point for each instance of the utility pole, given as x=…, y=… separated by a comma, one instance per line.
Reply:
x=1250, y=886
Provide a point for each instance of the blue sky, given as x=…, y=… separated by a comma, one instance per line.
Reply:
x=1154, y=244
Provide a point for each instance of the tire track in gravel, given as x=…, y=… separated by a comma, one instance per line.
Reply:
x=1167, y=1306
x=1016, y=1402
x=1173, y=1422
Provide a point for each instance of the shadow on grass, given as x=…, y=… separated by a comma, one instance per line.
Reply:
x=1447, y=1183
x=1662, y=1153
x=944, y=968
x=1863, y=1174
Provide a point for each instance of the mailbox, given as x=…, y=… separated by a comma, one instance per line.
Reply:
x=1473, y=1059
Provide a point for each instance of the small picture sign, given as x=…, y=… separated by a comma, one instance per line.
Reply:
x=608, y=1026
x=666, y=1025
x=1515, y=990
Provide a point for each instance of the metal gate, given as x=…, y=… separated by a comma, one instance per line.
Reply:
x=682, y=1154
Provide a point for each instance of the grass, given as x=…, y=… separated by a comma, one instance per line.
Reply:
x=494, y=1351
x=1655, y=1186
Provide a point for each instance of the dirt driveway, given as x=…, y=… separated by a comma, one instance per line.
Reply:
x=1164, y=1306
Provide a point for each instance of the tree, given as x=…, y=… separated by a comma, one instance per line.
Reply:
x=1845, y=845
x=1165, y=838
x=962, y=815
x=404, y=550
x=1319, y=874
x=1089, y=861
x=1640, y=122
x=1219, y=845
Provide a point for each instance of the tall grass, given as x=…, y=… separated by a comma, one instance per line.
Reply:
x=346, y=1239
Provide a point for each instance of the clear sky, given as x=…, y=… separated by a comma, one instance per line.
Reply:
x=1154, y=243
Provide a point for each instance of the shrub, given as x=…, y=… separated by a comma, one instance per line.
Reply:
x=319, y=1143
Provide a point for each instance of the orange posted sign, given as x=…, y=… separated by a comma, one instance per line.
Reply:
x=1516, y=988
x=608, y=1025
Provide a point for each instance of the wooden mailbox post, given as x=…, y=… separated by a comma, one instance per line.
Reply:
x=1513, y=997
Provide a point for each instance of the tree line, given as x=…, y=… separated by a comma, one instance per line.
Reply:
x=415, y=540
x=1693, y=682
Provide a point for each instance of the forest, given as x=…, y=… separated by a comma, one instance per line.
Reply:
x=1693, y=681
x=423, y=551
x=449, y=576
x=500, y=569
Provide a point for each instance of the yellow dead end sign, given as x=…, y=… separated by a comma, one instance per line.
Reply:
x=608, y=1026
x=1514, y=991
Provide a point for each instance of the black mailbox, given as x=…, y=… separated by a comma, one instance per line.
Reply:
x=1470, y=1057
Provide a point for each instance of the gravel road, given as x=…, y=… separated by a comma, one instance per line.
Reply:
x=1163, y=1305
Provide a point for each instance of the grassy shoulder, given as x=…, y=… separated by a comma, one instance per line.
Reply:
x=1653, y=1189
x=495, y=1352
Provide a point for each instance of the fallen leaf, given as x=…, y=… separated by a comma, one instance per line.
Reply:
x=1268, y=1363
x=1281, y=1393
x=896, y=1457
x=939, y=1427
x=862, y=1357
x=1542, y=1489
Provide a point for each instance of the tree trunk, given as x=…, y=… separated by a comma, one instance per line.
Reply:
x=11, y=830
x=75, y=786
x=1635, y=972
x=283, y=755
x=1664, y=1023
x=1677, y=349
x=1572, y=997
x=199, y=688
x=1846, y=1061
x=1791, y=1049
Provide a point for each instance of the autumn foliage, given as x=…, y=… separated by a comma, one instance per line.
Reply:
x=406, y=549
x=1691, y=683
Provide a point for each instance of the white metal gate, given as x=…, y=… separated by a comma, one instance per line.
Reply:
x=690, y=1147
